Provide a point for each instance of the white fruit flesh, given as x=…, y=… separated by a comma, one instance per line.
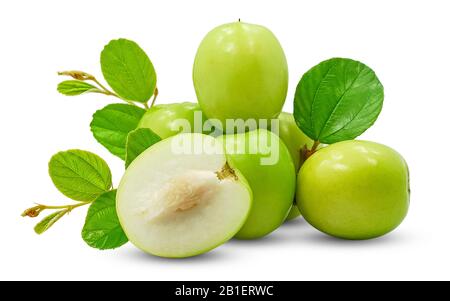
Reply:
x=180, y=205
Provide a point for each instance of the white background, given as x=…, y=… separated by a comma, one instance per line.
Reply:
x=405, y=42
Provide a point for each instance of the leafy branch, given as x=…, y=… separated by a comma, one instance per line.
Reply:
x=36, y=210
x=127, y=70
x=67, y=87
x=52, y=218
x=81, y=176
x=131, y=77
x=84, y=177
x=83, y=76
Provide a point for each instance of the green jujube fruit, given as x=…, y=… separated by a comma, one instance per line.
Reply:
x=273, y=185
x=295, y=140
x=354, y=189
x=240, y=71
x=164, y=119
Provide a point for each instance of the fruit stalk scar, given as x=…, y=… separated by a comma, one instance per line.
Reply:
x=226, y=172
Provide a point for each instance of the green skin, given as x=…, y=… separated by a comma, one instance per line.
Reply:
x=161, y=118
x=295, y=140
x=273, y=186
x=354, y=189
x=240, y=71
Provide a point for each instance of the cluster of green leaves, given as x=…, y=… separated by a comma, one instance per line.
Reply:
x=85, y=177
x=337, y=100
x=129, y=72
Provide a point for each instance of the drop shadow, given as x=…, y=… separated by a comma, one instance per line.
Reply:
x=270, y=239
x=295, y=231
x=215, y=255
x=295, y=223
x=319, y=238
x=286, y=233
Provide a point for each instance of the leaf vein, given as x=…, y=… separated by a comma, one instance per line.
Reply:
x=338, y=102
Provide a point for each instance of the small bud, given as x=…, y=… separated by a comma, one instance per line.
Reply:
x=33, y=211
x=80, y=75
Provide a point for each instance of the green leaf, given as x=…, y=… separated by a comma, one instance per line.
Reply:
x=138, y=141
x=48, y=221
x=80, y=175
x=102, y=229
x=112, y=124
x=75, y=87
x=128, y=70
x=337, y=100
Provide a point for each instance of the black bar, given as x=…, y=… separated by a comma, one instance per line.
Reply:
x=210, y=290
